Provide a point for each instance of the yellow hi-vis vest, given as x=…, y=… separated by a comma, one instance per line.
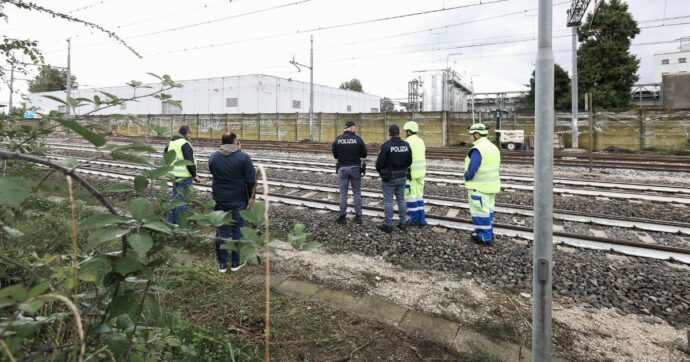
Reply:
x=418, y=168
x=176, y=145
x=487, y=179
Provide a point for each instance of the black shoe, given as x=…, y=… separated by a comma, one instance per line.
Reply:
x=342, y=220
x=402, y=227
x=477, y=240
x=358, y=219
x=386, y=228
x=421, y=225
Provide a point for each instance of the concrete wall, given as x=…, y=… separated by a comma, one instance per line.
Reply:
x=632, y=130
x=676, y=91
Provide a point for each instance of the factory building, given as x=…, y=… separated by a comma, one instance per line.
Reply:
x=222, y=95
x=438, y=90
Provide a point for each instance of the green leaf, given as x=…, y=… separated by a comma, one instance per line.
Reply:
x=13, y=191
x=67, y=162
x=160, y=130
x=87, y=277
x=174, y=103
x=118, y=188
x=157, y=226
x=127, y=265
x=311, y=246
x=140, y=183
x=173, y=341
x=11, y=232
x=118, y=345
x=155, y=75
x=17, y=292
x=169, y=157
x=182, y=163
x=141, y=243
x=140, y=208
x=101, y=220
x=31, y=307
x=104, y=235
x=111, y=96
x=158, y=172
x=57, y=99
x=131, y=157
x=96, y=139
x=249, y=233
x=6, y=302
x=96, y=99
x=38, y=290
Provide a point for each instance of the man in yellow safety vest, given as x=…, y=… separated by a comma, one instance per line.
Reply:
x=483, y=182
x=183, y=174
x=414, y=189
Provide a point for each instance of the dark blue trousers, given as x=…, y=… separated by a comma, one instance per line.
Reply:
x=226, y=231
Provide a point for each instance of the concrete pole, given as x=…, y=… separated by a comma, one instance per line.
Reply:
x=69, y=76
x=573, y=82
x=543, y=188
x=311, y=90
x=9, y=105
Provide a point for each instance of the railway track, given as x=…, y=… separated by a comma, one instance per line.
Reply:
x=323, y=198
x=640, y=192
x=561, y=158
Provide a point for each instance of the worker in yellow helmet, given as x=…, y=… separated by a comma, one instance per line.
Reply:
x=414, y=189
x=483, y=182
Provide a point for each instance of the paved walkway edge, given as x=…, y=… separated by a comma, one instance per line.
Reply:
x=413, y=323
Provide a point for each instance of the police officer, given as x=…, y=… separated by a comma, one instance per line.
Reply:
x=483, y=182
x=348, y=149
x=392, y=163
x=414, y=189
x=184, y=174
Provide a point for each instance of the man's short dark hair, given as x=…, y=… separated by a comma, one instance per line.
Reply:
x=349, y=124
x=394, y=130
x=228, y=138
x=185, y=130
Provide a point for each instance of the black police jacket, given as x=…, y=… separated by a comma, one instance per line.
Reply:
x=348, y=148
x=395, y=154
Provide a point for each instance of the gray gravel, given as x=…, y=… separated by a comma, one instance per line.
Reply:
x=585, y=276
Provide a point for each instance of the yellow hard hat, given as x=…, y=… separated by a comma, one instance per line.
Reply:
x=411, y=126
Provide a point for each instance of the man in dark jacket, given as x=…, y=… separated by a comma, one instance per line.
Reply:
x=348, y=149
x=184, y=174
x=234, y=179
x=394, y=159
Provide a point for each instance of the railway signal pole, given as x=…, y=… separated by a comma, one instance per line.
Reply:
x=543, y=188
x=311, y=84
x=575, y=13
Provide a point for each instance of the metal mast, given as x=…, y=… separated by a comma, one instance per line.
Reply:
x=575, y=13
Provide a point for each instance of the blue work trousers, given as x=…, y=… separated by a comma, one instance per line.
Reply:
x=225, y=231
x=179, y=185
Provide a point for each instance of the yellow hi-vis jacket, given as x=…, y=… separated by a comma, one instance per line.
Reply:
x=487, y=179
x=418, y=168
x=176, y=145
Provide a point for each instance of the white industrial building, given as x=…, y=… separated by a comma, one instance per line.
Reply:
x=672, y=62
x=222, y=95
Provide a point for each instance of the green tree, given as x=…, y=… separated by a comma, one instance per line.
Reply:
x=354, y=85
x=606, y=66
x=561, y=91
x=51, y=79
x=387, y=105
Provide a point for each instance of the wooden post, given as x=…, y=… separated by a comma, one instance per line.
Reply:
x=320, y=126
x=277, y=127
x=296, y=126
x=197, y=126
x=642, y=129
x=258, y=126
x=444, y=130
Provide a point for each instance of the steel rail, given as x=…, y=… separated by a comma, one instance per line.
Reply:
x=654, y=251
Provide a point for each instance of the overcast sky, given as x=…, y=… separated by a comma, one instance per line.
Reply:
x=382, y=54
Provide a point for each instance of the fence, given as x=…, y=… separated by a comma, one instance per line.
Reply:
x=633, y=130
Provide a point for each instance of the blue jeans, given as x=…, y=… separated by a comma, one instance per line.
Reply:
x=180, y=184
x=395, y=187
x=224, y=231
x=349, y=175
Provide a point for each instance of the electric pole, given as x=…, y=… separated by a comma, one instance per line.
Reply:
x=543, y=188
x=69, y=76
x=575, y=13
x=9, y=106
x=311, y=84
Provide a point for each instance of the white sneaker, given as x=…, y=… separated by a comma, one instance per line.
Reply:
x=234, y=269
x=222, y=268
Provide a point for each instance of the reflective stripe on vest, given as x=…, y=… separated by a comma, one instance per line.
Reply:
x=176, y=145
x=487, y=178
x=418, y=168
